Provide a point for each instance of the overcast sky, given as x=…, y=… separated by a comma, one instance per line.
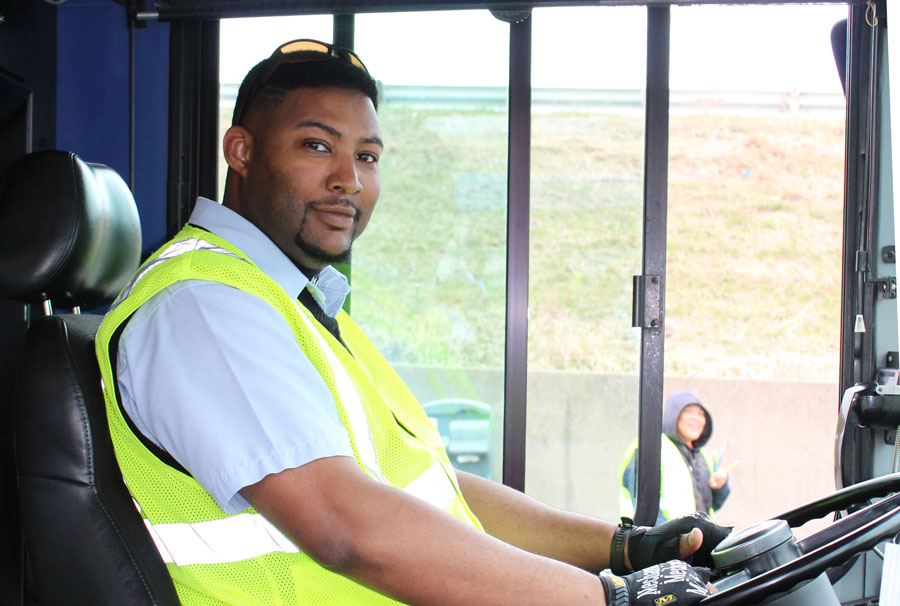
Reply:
x=771, y=48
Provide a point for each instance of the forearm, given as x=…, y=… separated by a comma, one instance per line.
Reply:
x=401, y=546
x=519, y=520
x=460, y=565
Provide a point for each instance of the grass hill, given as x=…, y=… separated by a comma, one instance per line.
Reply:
x=754, y=243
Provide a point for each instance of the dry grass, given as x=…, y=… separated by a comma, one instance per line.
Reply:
x=755, y=242
x=754, y=237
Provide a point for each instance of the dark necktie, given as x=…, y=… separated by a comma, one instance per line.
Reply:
x=330, y=324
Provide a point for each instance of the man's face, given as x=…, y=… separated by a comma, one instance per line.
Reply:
x=311, y=179
x=691, y=423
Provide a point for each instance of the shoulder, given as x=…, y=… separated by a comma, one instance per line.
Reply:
x=196, y=298
x=203, y=317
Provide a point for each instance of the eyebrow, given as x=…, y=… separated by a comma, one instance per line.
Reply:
x=335, y=132
x=374, y=140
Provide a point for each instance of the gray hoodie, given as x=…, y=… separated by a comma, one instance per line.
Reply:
x=675, y=403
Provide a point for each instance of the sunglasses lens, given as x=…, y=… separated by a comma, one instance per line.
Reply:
x=355, y=61
x=281, y=55
x=299, y=46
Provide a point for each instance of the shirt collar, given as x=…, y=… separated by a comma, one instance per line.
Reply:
x=331, y=287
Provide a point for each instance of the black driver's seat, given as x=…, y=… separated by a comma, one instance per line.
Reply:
x=70, y=238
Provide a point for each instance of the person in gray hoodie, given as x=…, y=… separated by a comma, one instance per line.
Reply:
x=689, y=479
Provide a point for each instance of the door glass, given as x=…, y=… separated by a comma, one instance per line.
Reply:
x=429, y=275
x=586, y=221
x=753, y=291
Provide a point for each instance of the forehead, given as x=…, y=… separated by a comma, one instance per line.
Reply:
x=692, y=408
x=342, y=109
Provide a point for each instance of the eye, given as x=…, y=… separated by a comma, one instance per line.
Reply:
x=368, y=157
x=316, y=146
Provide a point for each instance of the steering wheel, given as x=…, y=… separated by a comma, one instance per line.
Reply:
x=829, y=547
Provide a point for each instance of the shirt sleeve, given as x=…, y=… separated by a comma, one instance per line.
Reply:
x=215, y=377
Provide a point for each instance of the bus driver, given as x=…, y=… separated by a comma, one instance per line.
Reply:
x=274, y=454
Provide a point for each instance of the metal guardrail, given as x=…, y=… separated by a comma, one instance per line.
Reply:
x=603, y=100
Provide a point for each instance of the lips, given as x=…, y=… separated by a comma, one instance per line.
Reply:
x=336, y=216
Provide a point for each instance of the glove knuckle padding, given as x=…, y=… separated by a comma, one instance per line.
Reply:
x=673, y=582
x=647, y=546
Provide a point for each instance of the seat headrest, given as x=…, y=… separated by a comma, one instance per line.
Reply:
x=69, y=231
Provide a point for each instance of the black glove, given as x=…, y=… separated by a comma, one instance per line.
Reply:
x=673, y=582
x=648, y=546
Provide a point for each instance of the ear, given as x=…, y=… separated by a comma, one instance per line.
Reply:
x=237, y=146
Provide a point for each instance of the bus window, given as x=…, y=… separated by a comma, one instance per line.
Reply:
x=753, y=286
x=430, y=273
x=586, y=223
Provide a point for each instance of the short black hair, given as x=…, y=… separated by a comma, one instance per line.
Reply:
x=331, y=72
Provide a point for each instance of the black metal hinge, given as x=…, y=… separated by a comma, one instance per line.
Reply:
x=646, y=299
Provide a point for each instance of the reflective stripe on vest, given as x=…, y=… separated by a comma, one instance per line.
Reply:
x=177, y=248
x=433, y=486
x=352, y=404
x=239, y=537
x=249, y=535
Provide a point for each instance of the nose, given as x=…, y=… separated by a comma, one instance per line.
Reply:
x=344, y=176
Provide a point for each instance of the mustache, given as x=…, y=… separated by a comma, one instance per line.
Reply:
x=333, y=202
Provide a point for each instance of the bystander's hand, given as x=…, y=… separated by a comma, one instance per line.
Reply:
x=718, y=479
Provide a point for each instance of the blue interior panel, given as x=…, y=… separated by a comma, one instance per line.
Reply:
x=93, y=110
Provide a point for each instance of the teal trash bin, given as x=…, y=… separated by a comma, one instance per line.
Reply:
x=465, y=427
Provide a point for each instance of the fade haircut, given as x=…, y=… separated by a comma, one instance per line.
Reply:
x=331, y=72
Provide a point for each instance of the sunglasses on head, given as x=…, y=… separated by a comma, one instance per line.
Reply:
x=296, y=51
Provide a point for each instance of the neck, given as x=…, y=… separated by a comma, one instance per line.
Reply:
x=686, y=442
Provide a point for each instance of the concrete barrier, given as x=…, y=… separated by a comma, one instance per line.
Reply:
x=579, y=425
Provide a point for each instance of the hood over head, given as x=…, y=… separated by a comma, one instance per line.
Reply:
x=675, y=403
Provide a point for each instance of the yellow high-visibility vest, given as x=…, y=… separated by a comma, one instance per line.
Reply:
x=676, y=489
x=241, y=559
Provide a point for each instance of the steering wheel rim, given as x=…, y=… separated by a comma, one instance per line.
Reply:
x=841, y=499
x=830, y=546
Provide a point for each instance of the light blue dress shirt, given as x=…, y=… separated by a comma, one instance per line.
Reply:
x=214, y=376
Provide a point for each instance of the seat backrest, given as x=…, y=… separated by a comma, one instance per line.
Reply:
x=70, y=237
